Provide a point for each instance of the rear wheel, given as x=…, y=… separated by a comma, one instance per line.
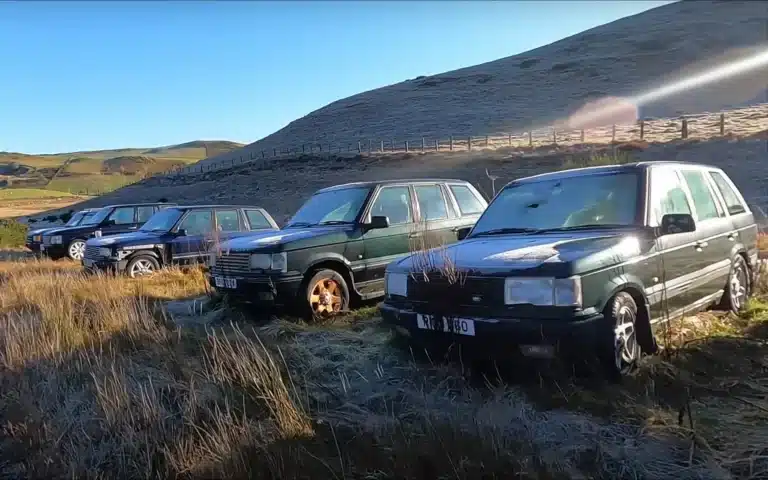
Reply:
x=142, y=266
x=619, y=349
x=76, y=249
x=739, y=286
x=326, y=293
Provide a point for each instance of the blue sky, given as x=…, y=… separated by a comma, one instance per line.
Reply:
x=99, y=75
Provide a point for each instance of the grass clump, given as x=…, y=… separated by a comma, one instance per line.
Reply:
x=13, y=234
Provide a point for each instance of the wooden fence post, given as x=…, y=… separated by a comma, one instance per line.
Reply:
x=359, y=148
x=510, y=140
x=530, y=139
x=451, y=147
x=554, y=135
x=469, y=143
x=613, y=133
x=486, y=141
x=582, y=135
x=642, y=129
x=722, y=124
x=437, y=145
x=263, y=155
x=684, y=129
x=382, y=146
x=422, y=144
x=393, y=144
x=406, y=146
x=274, y=152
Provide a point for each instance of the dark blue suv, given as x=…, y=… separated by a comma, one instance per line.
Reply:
x=178, y=235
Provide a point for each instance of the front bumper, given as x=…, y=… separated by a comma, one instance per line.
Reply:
x=494, y=336
x=34, y=247
x=268, y=289
x=110, y=265
x=54, y=250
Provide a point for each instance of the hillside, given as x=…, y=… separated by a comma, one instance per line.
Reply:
x=100, y=171
x=623, y=58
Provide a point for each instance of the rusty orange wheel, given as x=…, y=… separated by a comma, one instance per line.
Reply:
x=327, y=293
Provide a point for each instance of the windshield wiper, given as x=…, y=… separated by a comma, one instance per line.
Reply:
x=335, y=222
x=501, y=231
x=591, y=226
x=299, y=224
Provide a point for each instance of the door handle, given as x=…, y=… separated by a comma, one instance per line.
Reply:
x=732, y=236
x=701, y=245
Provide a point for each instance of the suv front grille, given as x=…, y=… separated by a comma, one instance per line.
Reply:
x=46, y=240
x=469, y=291
x=233, y=262
x=92, y=252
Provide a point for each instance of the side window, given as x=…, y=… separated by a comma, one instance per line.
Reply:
x=703, y=200
x=395, y=203
x=198, y=222
x=227, y=221
x=431, y=202
x=257, y=220
x=667, y=195
x=732, y=202
x=122, y=215
x=143, y=213
x=469, y=204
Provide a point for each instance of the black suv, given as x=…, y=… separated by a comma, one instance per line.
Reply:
x=35, y=237
x=174, y=236
x=588, y=258
x=110, y=220
x=336, y=247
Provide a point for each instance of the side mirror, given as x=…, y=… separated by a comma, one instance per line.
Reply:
x=462, y=233
x=378, y=221
x=109, y=223
x=672, y=223
x=182, y=232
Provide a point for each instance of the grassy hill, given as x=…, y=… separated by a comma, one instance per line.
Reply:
x=98, y=172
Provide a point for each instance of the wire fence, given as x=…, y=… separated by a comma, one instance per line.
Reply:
x=746, y=120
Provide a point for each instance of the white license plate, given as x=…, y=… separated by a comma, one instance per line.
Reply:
x=539, y=351
x=225, y=282
x=462, y=326
x=42, y=248
x=88, y=262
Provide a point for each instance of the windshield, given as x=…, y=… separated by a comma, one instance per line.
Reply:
x=162, y=221
x=334, y=206
x=97, y=217
x=75, y=219
x=582, y=201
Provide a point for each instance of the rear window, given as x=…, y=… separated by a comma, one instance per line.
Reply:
x=732, y=202
x=468, y=202
x=257, y=220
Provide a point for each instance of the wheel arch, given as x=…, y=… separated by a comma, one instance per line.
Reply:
x=634, y=287
x=336, y=263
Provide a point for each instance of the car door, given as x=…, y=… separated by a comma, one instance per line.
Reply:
x=712, y=243
x=193, y=247
x=469, y=205
x=435, y=226
x=120, y=220
x=743, y=224
x=228, y=225
x=384, y=245
x=675, y=254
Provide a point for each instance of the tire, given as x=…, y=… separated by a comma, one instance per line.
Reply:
x=142, y=266
x=738, y=288
x=325, y=294
x=619, y=349
x=76, y=249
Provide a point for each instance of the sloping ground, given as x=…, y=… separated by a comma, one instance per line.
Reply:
x=624, y=58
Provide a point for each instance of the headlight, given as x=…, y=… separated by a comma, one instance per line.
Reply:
x=212, y=259
x=396, y=284
x=270, y=261
x=37, y=238
x=105, y=252
x=561, y=292
x=56, y=240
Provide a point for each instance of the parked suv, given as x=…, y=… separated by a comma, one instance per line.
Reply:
x=35, y=237
x=586, y=260
x=109, y=220
x=336, y=247
x=174, y=236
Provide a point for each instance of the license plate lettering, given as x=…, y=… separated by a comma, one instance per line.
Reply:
x=461, y=326
x=225, y=282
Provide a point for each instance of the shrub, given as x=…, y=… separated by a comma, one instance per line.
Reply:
x=12, y=233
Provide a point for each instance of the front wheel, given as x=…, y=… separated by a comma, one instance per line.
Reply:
x=142, y=266
x=327, y=293
x=619, y=349
x=76, y=249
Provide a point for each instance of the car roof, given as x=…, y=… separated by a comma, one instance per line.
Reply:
x=607, y=169
x=137, y=204
x=187, y=207
x=375, y=183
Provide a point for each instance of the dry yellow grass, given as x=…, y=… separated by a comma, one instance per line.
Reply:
x=98, y=381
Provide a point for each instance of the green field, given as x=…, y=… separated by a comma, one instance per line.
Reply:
x=30, y=193
x=98, y=172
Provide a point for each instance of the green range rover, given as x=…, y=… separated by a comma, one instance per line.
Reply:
x=583, y=260
x=336, y=247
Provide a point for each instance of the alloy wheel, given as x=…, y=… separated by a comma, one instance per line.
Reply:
x=626, y=348
x=77, y=250
x=326, y=297
x=738, y=286
x=141, y=268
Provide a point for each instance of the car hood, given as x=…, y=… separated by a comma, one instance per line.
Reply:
x=557, y=254
x=38, y=231
x=289, y=239
x=71, y=230
x=125, y=239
